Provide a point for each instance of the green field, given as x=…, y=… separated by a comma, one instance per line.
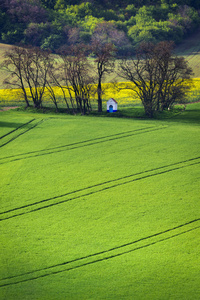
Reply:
x=99, y=208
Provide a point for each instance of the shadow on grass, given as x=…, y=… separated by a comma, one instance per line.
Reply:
x=189, y=115
x=11, y=124
x=178, y=114
x=126, y=112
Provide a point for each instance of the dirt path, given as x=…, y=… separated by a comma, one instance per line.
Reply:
x=8, y=107
x=188, y=103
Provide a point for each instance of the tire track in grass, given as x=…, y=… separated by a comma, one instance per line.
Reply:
x=107, y=254
x=78, y=145
x=16, y=129
x=23, y=132
x=22, y=210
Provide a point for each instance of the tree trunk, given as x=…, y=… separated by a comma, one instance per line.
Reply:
x=99, y=91
x=26, y=100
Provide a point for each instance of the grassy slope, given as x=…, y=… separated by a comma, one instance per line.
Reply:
x=127, y=226
x=3, y=48
x=190, y=49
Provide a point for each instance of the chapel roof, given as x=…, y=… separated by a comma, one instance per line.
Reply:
x=113, y=100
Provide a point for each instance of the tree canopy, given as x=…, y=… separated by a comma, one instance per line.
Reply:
x=50, y=24
x=157, y=76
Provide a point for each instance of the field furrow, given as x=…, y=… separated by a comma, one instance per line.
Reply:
x=78, y=194
x=104, y=255
x=77, y=145
x=14, y=134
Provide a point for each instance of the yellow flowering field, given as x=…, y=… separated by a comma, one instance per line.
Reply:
x=195, y=90
x=123, y=97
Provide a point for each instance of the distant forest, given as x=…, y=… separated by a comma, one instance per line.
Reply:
x=51, y=24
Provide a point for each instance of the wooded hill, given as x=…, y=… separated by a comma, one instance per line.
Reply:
x=51, y=24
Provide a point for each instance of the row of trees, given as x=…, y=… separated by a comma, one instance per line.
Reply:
x=51, y=24
x=36, y=73
x=158, y=77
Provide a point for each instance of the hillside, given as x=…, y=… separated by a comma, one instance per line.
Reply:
x=3, y=48
x=189, y=48
x=126, y=24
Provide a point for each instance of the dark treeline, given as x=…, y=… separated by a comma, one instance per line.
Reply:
x=50, y=24
x=121, y=3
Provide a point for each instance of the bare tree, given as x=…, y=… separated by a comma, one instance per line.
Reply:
x=104, y=59
x=28, y=71
x=55, y=79
x=13, y=63
x=76, y=76
x=173, y=76
x=51, y=92
x=158, y=77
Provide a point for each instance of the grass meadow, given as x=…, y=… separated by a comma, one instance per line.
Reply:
x=99, y=208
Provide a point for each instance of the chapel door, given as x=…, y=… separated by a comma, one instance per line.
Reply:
x=110, y=108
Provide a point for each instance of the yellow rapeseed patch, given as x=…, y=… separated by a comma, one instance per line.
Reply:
x=116, y=91
x=121, y=95
x=195, y=89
